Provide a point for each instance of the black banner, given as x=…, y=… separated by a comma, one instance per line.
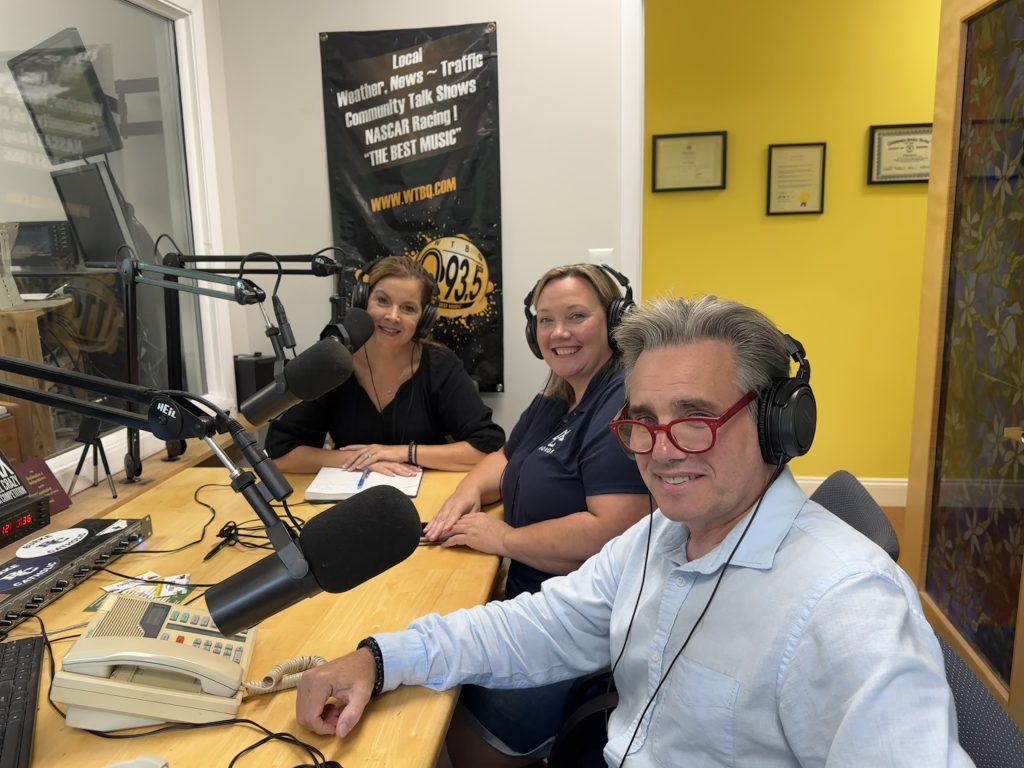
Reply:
x=412, y=153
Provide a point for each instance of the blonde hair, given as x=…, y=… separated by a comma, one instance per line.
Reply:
x=607, y=291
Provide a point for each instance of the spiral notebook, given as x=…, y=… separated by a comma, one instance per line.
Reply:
x=333, y=484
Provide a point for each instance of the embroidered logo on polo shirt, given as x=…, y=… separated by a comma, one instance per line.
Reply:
x=554, y=441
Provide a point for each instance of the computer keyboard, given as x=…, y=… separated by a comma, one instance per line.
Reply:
x=20, y=661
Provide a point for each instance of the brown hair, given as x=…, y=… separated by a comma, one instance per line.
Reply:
x=403, y=268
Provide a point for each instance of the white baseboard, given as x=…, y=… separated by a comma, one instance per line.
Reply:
x=887, y=491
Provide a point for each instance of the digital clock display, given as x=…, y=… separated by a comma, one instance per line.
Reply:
x=22, y=517
x=17, y=524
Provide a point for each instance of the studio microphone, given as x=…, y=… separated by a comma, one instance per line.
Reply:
x=354, y=329
x=346, y=545
x=311, y=374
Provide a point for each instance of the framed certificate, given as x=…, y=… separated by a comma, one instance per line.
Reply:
x=796, y=178
x=683, y=162
x=899, y=154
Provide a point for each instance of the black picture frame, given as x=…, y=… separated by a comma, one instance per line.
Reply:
x=78, y=125
x=899, y=153
x=688, y=162
x=796, y=179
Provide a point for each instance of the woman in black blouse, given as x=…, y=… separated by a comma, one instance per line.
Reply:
x=409, y=402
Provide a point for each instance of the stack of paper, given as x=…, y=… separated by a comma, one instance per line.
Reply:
x=332, y=484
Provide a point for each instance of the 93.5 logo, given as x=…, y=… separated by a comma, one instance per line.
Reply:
x=460, y=271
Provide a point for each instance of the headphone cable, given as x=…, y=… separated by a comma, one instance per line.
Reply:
x=704, y=610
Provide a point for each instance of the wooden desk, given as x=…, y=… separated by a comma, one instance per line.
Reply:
x=404, y=728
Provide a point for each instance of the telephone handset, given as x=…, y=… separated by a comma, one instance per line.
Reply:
x=145, y=662
x=98, y=656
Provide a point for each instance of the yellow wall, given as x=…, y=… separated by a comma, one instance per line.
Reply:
x=846, y=283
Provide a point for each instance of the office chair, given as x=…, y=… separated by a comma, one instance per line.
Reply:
x=580, y=740
x=843, y=495
x=987, y=734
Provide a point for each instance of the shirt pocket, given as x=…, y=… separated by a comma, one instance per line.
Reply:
x=696, y=710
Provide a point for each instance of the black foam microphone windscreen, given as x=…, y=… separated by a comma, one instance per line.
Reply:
x=348, y=544
x=312, y=373
x=359, y=326
x=360, y=537
x=318, y=369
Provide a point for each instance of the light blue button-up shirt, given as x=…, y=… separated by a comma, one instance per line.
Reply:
x=813, y=652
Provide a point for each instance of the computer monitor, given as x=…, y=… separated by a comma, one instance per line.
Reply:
x=64, y=98
x=95, y=212
x=46, y=246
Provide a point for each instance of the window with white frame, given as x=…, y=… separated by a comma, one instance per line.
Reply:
x=92, y=170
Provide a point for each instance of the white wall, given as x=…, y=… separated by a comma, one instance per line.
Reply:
x=560, y=96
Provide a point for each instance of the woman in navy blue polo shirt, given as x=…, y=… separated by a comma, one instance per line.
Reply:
x=567, y=488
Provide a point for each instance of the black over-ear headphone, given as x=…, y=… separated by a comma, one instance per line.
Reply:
x=361, y=299
x=786, y=412
x=618, y=309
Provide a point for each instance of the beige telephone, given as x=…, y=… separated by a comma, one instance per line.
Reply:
x=145, y=662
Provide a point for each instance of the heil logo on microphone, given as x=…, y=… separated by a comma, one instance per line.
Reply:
x=167, y=410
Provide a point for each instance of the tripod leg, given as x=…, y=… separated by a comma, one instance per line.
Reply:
x=78, y=469
x=95, y=466
x=106, y=468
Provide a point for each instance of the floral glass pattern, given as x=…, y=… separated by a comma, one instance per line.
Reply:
x=976, y=538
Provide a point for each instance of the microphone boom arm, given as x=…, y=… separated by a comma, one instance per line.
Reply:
x=134, y=272
x=168, y=417
x=245, y=291
x=171, y=415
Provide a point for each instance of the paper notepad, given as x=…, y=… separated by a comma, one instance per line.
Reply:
x=332, y=484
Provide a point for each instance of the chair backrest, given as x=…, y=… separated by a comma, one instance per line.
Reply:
x=987, y=734
x=843, y=495
x=581, y=738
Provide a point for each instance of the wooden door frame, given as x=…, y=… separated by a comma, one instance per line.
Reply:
x=934, y=289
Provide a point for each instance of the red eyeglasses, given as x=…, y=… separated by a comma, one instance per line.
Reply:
x=693, y=434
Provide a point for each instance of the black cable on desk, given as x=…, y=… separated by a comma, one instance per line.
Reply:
x=152, y=581
x=202, y=535
x=319, y=759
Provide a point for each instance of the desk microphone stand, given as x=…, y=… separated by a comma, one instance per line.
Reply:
x=89, y=435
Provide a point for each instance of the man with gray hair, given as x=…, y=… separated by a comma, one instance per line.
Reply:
x=745, y=625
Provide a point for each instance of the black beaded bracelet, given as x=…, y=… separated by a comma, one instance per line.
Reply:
x=378, y=663
x=412, y=453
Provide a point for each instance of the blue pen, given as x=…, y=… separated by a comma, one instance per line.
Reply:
x=362, y=479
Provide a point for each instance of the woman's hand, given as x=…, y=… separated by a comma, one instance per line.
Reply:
x=464, y=501
x=360, y=457
x=392, y=468
x=481, y=532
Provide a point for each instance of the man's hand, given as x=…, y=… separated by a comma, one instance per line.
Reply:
x=349, y=681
